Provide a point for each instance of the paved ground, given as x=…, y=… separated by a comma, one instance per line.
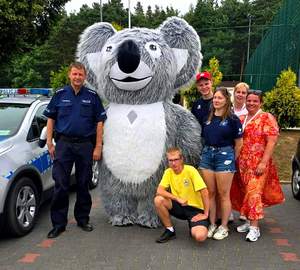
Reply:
x=114, y=248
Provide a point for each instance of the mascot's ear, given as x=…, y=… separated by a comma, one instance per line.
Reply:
x=89, y=47
x=186, y=46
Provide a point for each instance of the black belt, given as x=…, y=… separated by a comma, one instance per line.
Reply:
x=74, y=139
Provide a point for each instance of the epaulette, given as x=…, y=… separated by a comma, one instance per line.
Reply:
x=92, y=91
x=59, y=90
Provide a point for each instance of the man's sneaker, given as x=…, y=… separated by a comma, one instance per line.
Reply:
x=253, y=234
x=231, y=217
x=244, y=227
x=166, y=236
x=211, y=229
x=220, y=233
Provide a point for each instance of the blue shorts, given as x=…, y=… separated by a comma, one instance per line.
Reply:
x=218, y=159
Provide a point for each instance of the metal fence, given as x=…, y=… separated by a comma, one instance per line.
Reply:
x=278, y=50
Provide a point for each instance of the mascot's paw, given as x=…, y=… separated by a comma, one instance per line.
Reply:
x=148, y=221
x=119, y=220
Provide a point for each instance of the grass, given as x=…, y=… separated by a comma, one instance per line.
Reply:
x=284, y=151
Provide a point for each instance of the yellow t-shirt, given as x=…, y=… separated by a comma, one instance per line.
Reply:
x=185, y=185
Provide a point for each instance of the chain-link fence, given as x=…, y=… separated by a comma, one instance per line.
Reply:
x=278, y=50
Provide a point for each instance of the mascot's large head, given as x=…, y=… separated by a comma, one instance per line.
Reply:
x=139, y=65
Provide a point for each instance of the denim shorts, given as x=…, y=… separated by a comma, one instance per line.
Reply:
x=218, y=159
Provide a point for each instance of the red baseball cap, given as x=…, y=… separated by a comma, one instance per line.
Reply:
x=203, y=75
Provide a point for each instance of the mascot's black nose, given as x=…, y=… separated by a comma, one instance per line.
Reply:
x=128, y=56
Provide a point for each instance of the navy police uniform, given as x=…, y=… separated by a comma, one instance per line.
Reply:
x=76, y=118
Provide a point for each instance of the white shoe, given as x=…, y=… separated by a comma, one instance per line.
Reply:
x=244, y=227
x=231, y=217
x=253, y=234
x=211, y=229
x=220, y=233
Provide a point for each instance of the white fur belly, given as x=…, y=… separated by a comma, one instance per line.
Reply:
x=134, y=140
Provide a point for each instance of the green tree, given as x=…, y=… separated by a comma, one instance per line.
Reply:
x=138, y=18
x=283, y=101
x=59, y=78
x=149, y=14
x=24, y=23
x=214, y=69
x=28, y=69
x=113, y=11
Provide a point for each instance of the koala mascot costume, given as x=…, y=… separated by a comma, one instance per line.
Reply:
x=138, y=71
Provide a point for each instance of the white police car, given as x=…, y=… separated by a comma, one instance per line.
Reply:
x=25, y=168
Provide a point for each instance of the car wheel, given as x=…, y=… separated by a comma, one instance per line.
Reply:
x=95, y=179
x=22, y=207
x=296, y=183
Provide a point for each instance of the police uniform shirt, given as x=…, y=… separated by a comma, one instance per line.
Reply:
x=220, y=133
x=76, y=115
x=201, y=109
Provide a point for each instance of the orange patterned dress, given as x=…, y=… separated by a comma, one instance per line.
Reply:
x=250, y=193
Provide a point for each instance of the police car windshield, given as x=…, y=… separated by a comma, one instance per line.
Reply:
x=11, y=117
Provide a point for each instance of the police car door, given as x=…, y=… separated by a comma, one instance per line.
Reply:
x=41, y=159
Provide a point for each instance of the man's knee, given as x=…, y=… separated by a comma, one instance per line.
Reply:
x=159, y=201
x=199, y=234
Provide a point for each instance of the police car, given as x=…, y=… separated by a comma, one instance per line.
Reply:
x=25, y=167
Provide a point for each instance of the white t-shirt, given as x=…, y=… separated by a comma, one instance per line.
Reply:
x=243, y=111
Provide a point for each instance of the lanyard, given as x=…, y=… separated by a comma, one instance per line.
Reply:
x=246, y=119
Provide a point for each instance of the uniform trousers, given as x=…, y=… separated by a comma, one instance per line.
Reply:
x=66, y=155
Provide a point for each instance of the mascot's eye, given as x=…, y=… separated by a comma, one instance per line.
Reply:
x=108, y=48
x=153, y=49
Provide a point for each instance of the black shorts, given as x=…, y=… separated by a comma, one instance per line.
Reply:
x=187, y=213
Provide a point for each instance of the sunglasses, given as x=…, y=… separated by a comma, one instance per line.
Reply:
x=223, y=90
x=255, y=92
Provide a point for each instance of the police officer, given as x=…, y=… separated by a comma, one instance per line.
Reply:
x=76, y=114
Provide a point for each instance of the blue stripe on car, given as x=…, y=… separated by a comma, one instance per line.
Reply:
x=42, y=163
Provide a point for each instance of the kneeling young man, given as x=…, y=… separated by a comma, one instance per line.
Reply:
x=182, y=193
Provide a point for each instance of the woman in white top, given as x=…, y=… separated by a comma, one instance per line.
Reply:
x=239, y=108
x=239, y=99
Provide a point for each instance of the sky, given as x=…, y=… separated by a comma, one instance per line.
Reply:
x=181, y=5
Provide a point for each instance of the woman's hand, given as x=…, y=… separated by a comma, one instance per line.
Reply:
x=261, y=168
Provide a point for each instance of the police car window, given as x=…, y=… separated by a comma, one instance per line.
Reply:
x=11, y=118
x=38, y=122
x=41, y=119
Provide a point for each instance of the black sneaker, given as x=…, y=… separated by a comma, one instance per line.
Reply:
x=166, y=236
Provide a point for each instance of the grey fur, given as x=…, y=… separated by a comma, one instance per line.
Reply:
x=128, y=202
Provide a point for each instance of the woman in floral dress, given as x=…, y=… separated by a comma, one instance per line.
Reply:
x=256, y=184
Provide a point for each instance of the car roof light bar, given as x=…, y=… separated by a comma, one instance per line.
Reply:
x=25, y=91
